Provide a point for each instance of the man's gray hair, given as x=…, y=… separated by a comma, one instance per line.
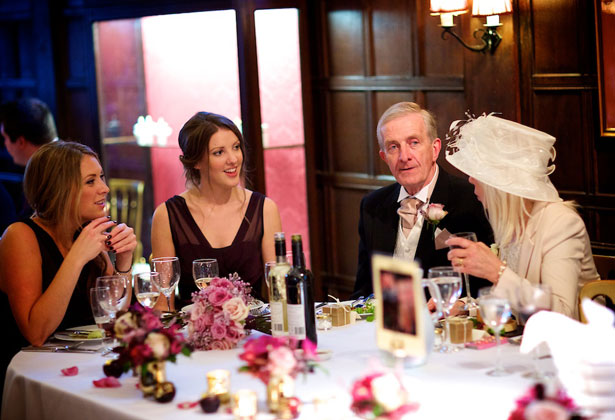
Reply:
x=406, y=108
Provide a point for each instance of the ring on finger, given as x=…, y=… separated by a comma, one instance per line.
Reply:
x=460, y=262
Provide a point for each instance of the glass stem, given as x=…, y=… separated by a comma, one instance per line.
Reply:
x=447, y=333
x=168, y=302
x=498, y=356
x=470, y=302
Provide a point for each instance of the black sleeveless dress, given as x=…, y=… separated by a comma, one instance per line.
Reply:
x=78, y=312
x=243, y=256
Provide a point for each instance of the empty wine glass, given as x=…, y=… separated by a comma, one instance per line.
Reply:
x=112, y=294
x=203, y=271
x=448, y=282
x=101, y=317
x=470, y=236
x=531, y=300
x=495, y=311
x=169, y=270
x=146, y=290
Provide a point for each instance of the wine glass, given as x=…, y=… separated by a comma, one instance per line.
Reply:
x=448, y=282
x=203, y=271
x=111, y=292
x=146, y=291
x=169, y=270
x=101, y=317
x=495, y=311
x=531, y=300
x=470, y=236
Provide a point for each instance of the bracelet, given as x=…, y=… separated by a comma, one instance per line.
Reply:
x=124, y=272
x=501, y=270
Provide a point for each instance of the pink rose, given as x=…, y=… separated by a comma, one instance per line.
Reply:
x=221, y=345
x=218, y=296
x=151, y=321
x=234, y=331
x=236, y=309
x=221, y=282
x=176, y=347
x=545, y=410
x=281, y=361
x=197, y=310
x=218, y=331
x=124, y=324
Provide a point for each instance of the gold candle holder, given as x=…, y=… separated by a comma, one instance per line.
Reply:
x=245, y=404
x=219, y=383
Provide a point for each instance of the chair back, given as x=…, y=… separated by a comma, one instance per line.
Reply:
x=126, y=206
x=596, y=288
x=605, y=264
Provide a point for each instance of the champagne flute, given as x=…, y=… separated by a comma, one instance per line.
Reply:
x=203, y=271
x=531, y=300
x=169, y=270
x=448, y=282
x=146, y=291
x=495, y=311
x=470, y=236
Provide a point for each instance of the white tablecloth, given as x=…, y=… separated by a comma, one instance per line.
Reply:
x=447, y=386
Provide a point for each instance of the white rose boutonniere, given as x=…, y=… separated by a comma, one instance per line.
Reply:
x=434, y=213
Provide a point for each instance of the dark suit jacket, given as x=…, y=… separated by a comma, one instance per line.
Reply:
x=379, y=222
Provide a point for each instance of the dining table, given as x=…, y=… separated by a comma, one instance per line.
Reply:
x=447, y=386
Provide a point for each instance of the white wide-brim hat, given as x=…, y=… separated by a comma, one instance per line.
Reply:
x=504, y=154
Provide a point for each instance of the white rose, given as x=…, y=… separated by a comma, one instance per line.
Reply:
x=435, y=212
x=159, y=343
x=388, y=392
x=124, y=324
x=236, y=309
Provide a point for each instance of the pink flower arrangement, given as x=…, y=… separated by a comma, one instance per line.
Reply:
x=217, y=318
x=536, y=405
x=268, y=356
x=381, y=395
x=143, y=339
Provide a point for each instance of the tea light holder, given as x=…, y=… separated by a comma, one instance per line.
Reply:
x=324, y=322
x=219, y=383
x=245, y=405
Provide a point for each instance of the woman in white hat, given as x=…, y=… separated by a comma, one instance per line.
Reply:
x=540, y=238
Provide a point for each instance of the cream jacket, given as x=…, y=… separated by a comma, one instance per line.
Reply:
x=556, y=251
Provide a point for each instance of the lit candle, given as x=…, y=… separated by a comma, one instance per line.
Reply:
x=245, y=404
x=446, y=20
x=219, y=383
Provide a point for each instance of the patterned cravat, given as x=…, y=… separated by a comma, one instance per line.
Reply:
x=408, y=212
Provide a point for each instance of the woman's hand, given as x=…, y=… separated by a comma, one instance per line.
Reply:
x=474, y=258
x=123, y=242
x=91, y=240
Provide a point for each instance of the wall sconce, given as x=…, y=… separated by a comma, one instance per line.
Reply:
x=447, y=9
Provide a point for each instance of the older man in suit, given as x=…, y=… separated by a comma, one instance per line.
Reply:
x=391, y=220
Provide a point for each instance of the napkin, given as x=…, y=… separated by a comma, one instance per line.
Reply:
x=583, y=353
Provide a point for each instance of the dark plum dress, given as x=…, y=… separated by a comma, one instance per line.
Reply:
x=243, y=256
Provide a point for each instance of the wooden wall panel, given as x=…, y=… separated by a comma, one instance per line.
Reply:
x=605, y=167
x=443, y=57
x=571, y=157
x=345, y=37
x=392, y=38
x=349, y=134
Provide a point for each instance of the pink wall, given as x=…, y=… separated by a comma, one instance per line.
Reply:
x=190, y=65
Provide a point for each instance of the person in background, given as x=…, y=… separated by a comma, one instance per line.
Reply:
x=391, y=221
x=25, y=125
x=541, y=239
x=216, y=217
x=49, y=262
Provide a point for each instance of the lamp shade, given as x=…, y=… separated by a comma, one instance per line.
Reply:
x=490, y=7
x=447, y=6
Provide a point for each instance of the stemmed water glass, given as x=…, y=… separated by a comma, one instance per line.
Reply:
x=203, y=271
x=470, y=236
x=448, y=282
x=111, y=292
x=531, y=300
x=495, y=311
x=146, y=290
x=169, y=270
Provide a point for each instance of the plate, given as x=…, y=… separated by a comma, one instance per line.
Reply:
x=256, y=307
x=68, y=335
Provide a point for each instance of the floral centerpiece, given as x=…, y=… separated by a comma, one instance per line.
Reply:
x=145, y=344
x=217, y=318
x=381, y=395
x=537, y=405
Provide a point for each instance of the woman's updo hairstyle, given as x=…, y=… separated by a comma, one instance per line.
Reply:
x=194, y=140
